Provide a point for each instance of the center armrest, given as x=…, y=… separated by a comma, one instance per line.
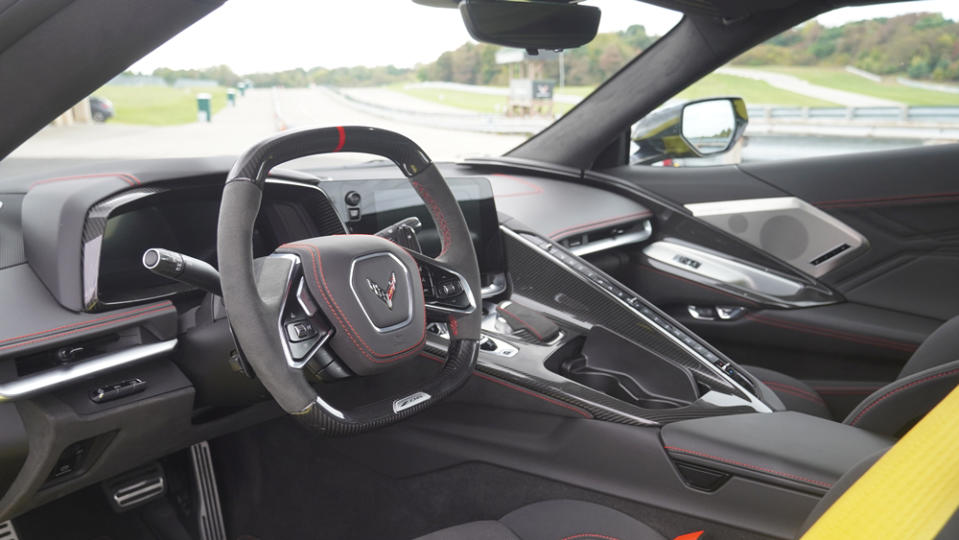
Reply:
x=788, y=448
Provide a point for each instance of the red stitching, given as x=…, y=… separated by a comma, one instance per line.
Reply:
x=61, y=334
x=126, y=177
x=536, y=190
x=849, y=390
x=748, y=466
x=707, y=287
x=590, y=535
x=609, y=221
x=81, y=323
x=584, y=414
x=521, y=321
x=794, y=391
x=330, y=301
x=438, y=216
x=885, y=200
x=894, y=390
x=868, y=340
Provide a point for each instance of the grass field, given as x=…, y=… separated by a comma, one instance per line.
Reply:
x=753, y=91
x=158, y=105
x=887, y=89
x=470, y=101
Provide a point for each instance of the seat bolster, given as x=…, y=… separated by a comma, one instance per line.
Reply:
x=476, y=530
x=575, y=520
x=939, y=347
x=894, y=408
x=795, y=394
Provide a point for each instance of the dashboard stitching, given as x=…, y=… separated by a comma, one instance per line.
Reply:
x=108, y=323
x=438, y=215
x=842, y=203
x=134, y=311
x=327, y=296
x=536, y=190
x=748, y=466
x=129, y=179
x=608, y=221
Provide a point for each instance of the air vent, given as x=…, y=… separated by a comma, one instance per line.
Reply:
x=610, y=237
x=830, y=254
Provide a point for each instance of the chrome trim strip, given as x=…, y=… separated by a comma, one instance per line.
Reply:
x=496, y=287
x=467, y=290
x=409, y=292
x=411, y=400
x=57, y=377
x=615, y=242
x=722, y=269
x=754, y=400
x=821, y=233
x=295, y=264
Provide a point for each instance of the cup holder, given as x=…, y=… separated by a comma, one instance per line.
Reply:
x=629, y=372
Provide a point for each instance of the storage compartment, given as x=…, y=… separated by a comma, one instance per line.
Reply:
x=625, y=370
x=789, y=449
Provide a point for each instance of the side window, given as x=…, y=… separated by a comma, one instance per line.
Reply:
x=852, y=80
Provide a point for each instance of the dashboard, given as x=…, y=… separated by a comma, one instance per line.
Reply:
x=70, y=259
x=184, y=219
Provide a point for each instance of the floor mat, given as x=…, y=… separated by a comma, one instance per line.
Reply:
x=280, y=482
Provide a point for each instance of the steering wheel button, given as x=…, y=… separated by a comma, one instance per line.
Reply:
x=299, y=331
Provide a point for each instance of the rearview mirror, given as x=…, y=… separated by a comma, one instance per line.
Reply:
x=695, y=129
x=530, y=24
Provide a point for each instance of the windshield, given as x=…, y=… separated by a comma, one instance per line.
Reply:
x=253, y=68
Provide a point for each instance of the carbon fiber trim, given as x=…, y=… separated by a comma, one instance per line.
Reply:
x=325, y=419
x=547, y=281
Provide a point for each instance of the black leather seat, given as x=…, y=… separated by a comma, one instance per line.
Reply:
x=578, y=520
x=553, y=520
x=931, y=372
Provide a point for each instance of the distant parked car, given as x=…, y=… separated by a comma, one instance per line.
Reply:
x=101, y=109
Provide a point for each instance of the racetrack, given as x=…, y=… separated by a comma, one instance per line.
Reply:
x=234, y=129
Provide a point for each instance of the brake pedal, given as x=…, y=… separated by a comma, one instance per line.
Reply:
x=7, y=532
x=135, y=488
x=209, y=512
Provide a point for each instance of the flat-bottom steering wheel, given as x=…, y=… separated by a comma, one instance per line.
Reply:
x=363, y=298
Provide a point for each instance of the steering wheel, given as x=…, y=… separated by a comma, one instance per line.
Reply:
x=362, y=298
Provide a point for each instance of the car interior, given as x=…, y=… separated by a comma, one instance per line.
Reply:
x=555, y=343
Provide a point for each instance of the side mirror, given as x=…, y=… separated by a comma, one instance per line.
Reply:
x=694, y=129
x=530, y=24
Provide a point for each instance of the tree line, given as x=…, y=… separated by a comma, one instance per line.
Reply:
x=919, y=45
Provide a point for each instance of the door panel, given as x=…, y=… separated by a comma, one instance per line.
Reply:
x=894, y=291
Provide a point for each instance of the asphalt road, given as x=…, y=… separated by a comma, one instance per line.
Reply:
x=234, y=129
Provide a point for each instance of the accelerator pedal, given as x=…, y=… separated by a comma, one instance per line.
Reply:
x=135, y=488
x=209, y=512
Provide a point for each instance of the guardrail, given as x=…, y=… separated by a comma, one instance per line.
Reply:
x=923, y=115
x=467, y=121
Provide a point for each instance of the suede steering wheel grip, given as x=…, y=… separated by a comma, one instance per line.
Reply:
x=253, y=306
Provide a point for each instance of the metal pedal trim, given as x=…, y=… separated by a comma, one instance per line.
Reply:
x=139, y=492
x=209, y=512
x=7, y=531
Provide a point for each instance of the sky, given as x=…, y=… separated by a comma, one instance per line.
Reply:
x=274, y=35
